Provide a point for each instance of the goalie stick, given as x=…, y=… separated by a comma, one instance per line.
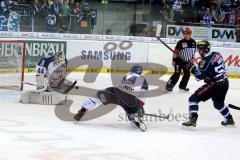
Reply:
x=70, y=87
x=65, y=91
x=32, y=84
x=233, y=107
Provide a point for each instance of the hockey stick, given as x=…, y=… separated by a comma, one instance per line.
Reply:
x=158, y=116
x=31, y=84
x=158, y=31
x=65, y=91
x=39, y=90
x=233, y=107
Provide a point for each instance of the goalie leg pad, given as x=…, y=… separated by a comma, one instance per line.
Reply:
x=48, y=98
x=42, y=83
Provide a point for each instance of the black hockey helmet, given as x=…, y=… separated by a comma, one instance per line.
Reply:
x=136, y=69
x=204, y=45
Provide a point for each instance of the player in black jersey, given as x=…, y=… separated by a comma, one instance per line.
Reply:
x=185, y=48
x=212, y=70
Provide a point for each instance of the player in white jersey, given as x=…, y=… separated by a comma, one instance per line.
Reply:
x=129, y=94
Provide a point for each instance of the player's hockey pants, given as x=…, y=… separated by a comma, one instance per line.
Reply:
x=128, y=102
x=217, y=92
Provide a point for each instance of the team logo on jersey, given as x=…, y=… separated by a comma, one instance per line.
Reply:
x=201, y=64
x=184, y=45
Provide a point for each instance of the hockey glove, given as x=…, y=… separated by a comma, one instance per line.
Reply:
x=141, y=112
x=191, y=67
x=207, y=80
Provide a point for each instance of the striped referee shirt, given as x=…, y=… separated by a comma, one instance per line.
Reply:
x=185, y=49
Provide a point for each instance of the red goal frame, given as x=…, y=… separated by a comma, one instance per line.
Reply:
x=23, y=57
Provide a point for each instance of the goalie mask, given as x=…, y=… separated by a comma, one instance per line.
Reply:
x=58, y=57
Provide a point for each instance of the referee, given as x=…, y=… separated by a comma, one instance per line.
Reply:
x=185, y=48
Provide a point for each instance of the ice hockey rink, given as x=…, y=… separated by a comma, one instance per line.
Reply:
x=34, y=132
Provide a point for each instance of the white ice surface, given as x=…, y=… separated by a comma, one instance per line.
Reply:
x=33, y=132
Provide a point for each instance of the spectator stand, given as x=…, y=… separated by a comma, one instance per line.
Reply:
x=83, y=18
x=72, y=16
x=15, y=16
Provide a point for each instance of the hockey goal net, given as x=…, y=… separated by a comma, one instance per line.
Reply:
x=12, y=59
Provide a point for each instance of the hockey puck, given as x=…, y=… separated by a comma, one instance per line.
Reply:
x=76, y=87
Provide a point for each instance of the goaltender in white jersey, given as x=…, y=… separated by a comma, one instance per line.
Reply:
x=45, y=71
x=50, y=81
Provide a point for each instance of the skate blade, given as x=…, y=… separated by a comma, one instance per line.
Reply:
x=167, y=91
x=142, y=127
x=230, y=126
x=181, y=90
x=75, y=122
x=189, y=128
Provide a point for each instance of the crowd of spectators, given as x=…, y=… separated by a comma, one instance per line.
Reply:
x=5, y=6
x=53, y=15
x=61, y=15
x=206, y=12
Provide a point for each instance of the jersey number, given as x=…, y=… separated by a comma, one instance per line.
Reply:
x=40, y=71
x=220, y=69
